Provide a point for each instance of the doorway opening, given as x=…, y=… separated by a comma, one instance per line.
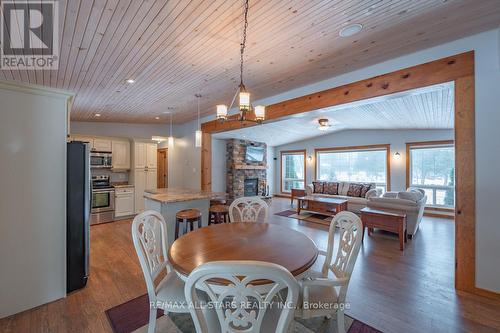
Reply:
x=162, y=168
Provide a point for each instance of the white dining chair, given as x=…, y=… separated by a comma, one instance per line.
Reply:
x=248, y=209
x=319, y=287
x=237, y=304
x=149, y=233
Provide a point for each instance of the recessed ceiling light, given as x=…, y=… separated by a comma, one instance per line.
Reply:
x=97, y=115
x=157, y=118
x=350, y=30
x=130, y=81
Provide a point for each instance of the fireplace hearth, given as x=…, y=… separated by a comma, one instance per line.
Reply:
x=251, y=187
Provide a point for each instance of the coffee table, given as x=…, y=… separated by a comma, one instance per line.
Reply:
x=321, y=205
x=388, y=220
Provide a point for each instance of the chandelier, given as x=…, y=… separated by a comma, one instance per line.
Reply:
x=245, y=106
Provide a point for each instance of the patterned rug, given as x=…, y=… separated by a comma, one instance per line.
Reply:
x=306, y=216
x=133, y=316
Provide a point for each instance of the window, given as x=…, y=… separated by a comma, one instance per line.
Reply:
x=293, y=170
x=367, y=164
x=432, y=168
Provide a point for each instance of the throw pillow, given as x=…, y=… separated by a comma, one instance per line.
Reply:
x=331, y=188
x=318, y=187
x=354, y=190
x=365, y=189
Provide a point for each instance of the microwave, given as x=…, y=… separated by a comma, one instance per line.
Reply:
x=100, y=160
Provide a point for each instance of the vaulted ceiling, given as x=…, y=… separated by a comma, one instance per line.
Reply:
x=177, y=48
x=426, y=108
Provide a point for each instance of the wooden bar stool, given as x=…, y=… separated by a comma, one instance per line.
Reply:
x=217, y=202
x=188, y=217
x=218, y=214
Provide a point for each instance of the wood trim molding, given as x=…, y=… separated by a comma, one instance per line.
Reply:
x=459, y=69
x=409, y=145
x=387, y=147
x=284, y=152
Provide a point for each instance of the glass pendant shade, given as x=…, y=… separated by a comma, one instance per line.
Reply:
x=197, y=138
x=244, y=100
x=221, y=111
x=170, y=141
x=260, y=112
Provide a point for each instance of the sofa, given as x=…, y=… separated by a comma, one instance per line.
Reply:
x=356, y=194
x=411, y=202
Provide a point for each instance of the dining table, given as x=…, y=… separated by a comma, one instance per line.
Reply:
x=243, y=241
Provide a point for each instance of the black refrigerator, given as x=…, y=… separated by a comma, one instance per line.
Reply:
x=78, y=207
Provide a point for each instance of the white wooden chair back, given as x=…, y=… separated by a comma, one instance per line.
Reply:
x=248, y=209
x=350, y=236
x=238, y=297
x=149, y=233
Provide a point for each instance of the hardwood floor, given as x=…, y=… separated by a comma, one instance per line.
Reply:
x=391, y=290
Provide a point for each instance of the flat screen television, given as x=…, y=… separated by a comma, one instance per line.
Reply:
x=254, y=154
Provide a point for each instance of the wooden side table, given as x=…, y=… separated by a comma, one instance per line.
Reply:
x=297, y=193
x=387, y=220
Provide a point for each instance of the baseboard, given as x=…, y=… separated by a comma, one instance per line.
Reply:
x=444, y=216
x=487, y=293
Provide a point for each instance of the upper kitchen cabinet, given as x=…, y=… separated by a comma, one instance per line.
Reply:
x=144, y=156
x=83, y=138
x=121, y=154
x=102, y=144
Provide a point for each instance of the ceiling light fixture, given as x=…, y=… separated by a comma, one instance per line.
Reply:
x=323, y=124
x=245, y=106
x=97, y=115
x=157, y=118
x=130, y=81
x=198, y=133
x=350, y=30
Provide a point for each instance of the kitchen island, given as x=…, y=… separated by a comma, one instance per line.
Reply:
x=168, y=201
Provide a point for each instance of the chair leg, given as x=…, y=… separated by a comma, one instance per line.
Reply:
x=185, y=226
x=176, y=228
x=199, y=222
x=340, y=321
x=152, y=320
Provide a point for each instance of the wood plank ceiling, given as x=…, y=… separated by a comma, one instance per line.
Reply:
x=177, y=48
x=426, y=108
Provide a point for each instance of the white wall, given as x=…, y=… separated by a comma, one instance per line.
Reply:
x=487, y=99
x=187, y=157
x=396, y=138
x=219, y=165
x=33, y=125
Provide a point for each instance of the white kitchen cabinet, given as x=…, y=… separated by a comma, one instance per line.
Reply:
x=140, y=155
x=151, y=178
x=102, y=144
x=121, y=154
x=143, y=179
x=124, y=202
x=151, y=155
x=83, y=138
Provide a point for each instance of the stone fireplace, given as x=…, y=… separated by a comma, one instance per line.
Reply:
x=244, y=178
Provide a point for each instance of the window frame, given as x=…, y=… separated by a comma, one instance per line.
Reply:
x=376, y=147
x=423, y=145
x=292, y=152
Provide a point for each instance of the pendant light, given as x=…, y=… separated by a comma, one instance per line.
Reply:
x=170, y=133
x=198, y=133
x=245, y=106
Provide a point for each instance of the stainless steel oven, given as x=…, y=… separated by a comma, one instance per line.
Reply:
x=101, y=160
x=103, y=200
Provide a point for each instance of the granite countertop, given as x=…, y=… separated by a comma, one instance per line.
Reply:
x=122, y=185
x=170, y=195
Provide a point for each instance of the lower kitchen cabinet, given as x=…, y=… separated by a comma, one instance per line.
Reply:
x=124, y=202
x=143, y=179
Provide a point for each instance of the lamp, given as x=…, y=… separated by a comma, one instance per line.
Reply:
x=243, y=95
x=198, y=133
x=397, y=156
x=170, y=136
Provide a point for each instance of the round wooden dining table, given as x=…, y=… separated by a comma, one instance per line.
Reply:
x=243, y=241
